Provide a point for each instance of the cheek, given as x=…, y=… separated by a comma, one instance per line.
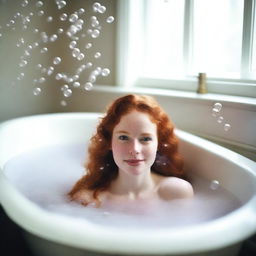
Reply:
x=118, y=149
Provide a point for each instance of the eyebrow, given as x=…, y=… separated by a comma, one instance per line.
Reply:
x=143, y=134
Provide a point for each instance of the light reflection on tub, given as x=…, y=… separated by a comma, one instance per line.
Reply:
x=221, y=236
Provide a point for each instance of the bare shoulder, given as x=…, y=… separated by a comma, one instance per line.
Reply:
x=175, y=188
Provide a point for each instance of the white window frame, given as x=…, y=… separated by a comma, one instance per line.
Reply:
x=130, y=49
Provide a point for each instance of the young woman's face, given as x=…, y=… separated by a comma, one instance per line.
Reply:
x=134, y=143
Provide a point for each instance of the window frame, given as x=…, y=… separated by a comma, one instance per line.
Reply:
x=130, y=50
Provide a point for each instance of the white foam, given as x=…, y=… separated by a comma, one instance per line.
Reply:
x=46, y=175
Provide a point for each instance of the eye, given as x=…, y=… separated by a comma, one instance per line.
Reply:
x=123, y=137
x=146, y=139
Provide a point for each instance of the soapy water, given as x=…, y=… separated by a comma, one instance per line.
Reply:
x=216, y=112
x=45, y=176
x=71, y=26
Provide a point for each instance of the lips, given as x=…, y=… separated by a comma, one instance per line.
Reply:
x=133, y=162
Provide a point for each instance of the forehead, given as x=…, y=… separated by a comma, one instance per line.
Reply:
x=136, y=121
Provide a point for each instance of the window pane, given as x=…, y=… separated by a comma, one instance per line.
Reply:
x=163, y=37
x=217, y=41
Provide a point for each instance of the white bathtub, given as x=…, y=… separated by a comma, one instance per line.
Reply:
x=55, y=234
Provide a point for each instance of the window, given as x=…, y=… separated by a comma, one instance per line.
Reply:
x=168, y=42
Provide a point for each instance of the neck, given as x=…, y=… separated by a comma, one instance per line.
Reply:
x=132, y=185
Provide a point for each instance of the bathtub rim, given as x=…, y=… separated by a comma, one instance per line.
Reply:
x=26, y=217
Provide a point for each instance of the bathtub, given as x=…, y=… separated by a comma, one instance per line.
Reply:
x=55, y=234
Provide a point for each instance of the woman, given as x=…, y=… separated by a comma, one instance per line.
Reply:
x=133, y=155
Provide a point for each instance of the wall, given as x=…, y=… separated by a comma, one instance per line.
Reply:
x=16, y=96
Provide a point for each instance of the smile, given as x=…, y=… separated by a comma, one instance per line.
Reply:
x=133, y=162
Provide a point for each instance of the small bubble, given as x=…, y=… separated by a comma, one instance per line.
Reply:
x=24, y=3
x=214, y=185
x=102, y=168
x=72, y=44
x=81, y=11
x=64, y=87
x=220, y=119
x=101, y=9
x=41, y=80
x=105, y=72
x=92, y=78
x=56, y=60
x=75, y=52
x=96, y=6
x=63, y=103
x=80, y=56
x=58, y=76
x=217, y=106
x=61, y=4
x=88, y=86
x=50, y=70
x=67, y=93
x=53, y=38
x=39, y=4
x=23, y=63
x=89, y=45
x=110, y=19
x=97, y=55
x=60, y=30
x=37, y=91
x=73, y=17
x=76, y=84
x=95, y=33
x=40, y=13
x=49, y=19
x=63, y=16
x=44, y=50
x=227, y=127
x=165, y=145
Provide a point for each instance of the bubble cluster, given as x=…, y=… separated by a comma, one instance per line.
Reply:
x=35, y=42
x=216, y=112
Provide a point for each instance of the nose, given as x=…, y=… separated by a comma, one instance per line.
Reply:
x=135, y=148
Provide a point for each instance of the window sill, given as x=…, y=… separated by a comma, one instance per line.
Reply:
x=192, y=112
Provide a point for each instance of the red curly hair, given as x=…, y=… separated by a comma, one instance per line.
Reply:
x=101, y=167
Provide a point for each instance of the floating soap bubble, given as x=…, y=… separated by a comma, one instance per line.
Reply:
x=97, y=55
x=44, y=50
x=63, y=16
x=76, y=84
x=220, y=119
x=88, y=46
x=95, y=33
x=58, y=76
x=105, y=72
x=227, y=127
x=37, y=91
x=64, y=87
x=88, y=86
x=63, y=103
x=40, y=13
x=73, y=17
x=41, y=80
x=67, y=93
x=80, y=56
x=39, y=4
x=72, y=44
x=23, y=63
x=61, y=4
x=214, y=185
x=50, y=70
x=49, y=19
x=53, y=38
x=56, y=60
x=110, y=19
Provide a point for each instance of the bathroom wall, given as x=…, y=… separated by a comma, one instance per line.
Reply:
x=16, y=96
